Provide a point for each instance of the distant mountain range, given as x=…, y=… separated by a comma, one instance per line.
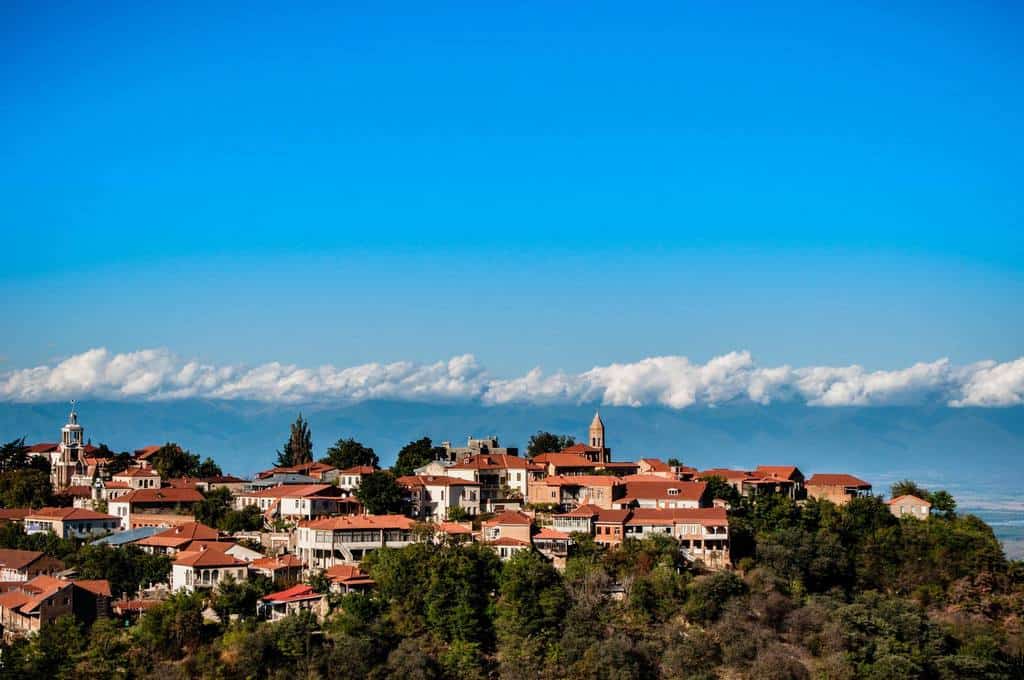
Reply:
x=968, y=447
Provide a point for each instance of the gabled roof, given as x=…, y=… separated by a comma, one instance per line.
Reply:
x=208, y=555
x=784, y=471
x=586, y=510
x=510, y=517
x=180, y=535
x=828, y=479
x=296, y=593
x=346, y=573
x=908, y=498
x=662, y=489
x=17, y=559
x=146, y=452
x=656, y=464
x=165, y=495
x=42, y=447
x=69, y=514
x=222, y=479
x=95, y=586
x=564, y=460
x=137, y=472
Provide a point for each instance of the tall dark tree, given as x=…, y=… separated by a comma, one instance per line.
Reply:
x=299, y=447
x=416, y=454
x=13, y=455
x=547, y=442
x=379, y=493
x=348, y=453
x=171, y=461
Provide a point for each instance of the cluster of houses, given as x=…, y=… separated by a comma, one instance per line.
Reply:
x=314, y=523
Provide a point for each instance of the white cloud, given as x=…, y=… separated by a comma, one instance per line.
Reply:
x=672, y=381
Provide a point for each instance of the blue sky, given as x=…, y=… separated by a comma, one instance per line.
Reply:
x=564, y=186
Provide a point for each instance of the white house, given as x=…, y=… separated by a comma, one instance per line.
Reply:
x=323, y=543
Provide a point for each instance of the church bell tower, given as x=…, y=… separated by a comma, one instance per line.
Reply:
x=69, y=452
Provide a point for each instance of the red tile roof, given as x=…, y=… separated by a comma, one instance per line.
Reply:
x=454, y=528
x=724, y=473
x=296, y=593
x=507, y=540
x=828, y=479
x=582, y=480
x=359, y=522
x=208, y=555
x=359, y=470
x=612, y=516
x=585, y=510
x=95, y=586
x=346, y=573
x=581, y=448
x=146, y=451
x=76, y=491
x=660, y=490
x=550, y=534
x=290, y=491
x=491, y=461
x=434, y=480
x=784, y=471
x=509, y=517
x=656, y=464
x=564, y=460
x=42, y=447
x=277, y=563
x=17, y=559
x=181, y=535
x=165, y=495
x=69, y=514
x=137, y=472
x=14, y=514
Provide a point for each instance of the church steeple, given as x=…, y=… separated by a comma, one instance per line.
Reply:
x=597, y=431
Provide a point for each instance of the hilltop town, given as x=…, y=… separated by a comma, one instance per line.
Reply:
x=129, y=538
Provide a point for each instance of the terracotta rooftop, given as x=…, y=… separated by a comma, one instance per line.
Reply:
x=582, y=480
x=289, y=491
x=509, y=517
x=288, y=561
x=908, y=498
x=180, y=535
x=296, y=593
x=564, y=460
x=17, y=559
x=434, y=480
x=550, y=534
x=491, y=461
x=828, y=479
x=359, y=470
x=208, y=555
x=138, y=472
x=165, y=495
x=784, y=471
x=359, y=522
x=68, y=514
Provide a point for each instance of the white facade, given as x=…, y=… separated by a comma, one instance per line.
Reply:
x=189, y=578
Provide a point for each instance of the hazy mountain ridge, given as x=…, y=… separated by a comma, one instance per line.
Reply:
x=930, y=442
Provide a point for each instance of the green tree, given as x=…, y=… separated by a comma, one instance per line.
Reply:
x=943, y=503
x=172, y=461
x=25, y=487
x=380, y=493
x=907, y=487
x=416, y=454
x=546, y=442
x=208, y=468
x=532, y=597
x=126, y=567
x=299, y=447
x=720, y=489
x=347, y=453
x=239, y=597
x=214, y=507
x=13, y=455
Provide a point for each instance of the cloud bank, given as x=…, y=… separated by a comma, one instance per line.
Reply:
x=672, y=381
